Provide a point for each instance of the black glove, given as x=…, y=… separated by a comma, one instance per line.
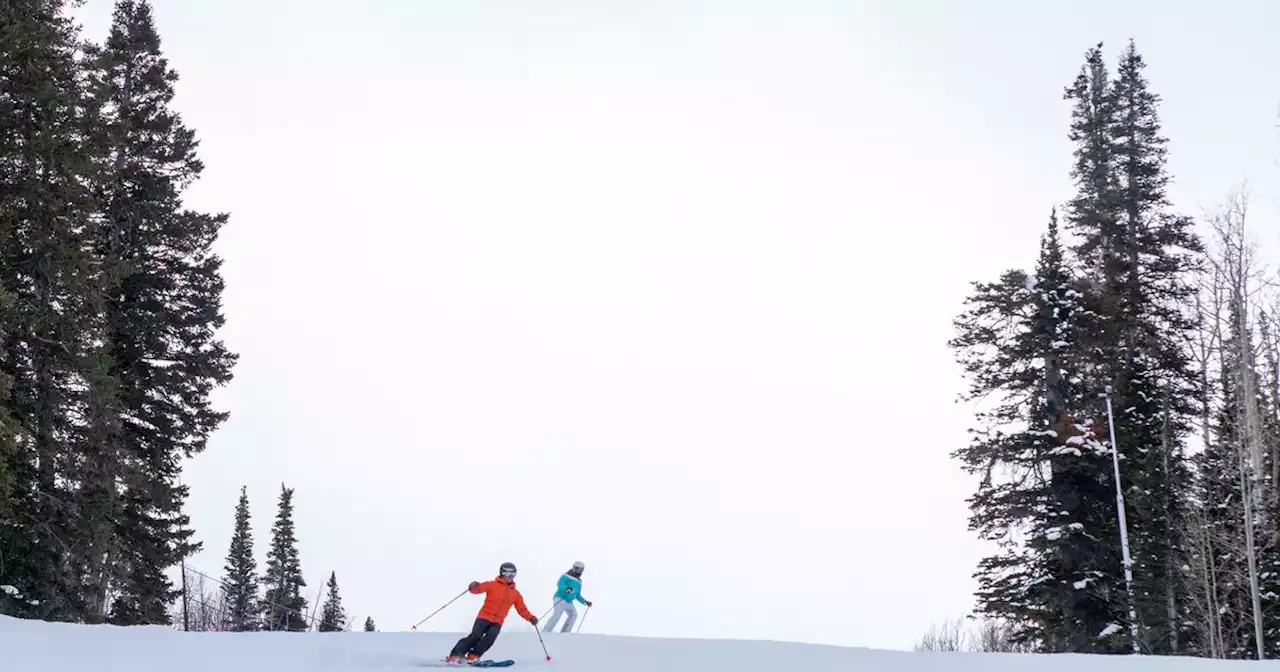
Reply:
x=474, y=585
x=533, y=620
x=588, y=604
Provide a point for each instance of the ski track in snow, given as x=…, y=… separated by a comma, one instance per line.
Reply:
x=31, y=646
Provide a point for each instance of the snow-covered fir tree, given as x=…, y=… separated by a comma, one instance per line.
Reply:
x=1117, y=319
x=1136, y=258
x=368, y=624
x=240, y=583
x=332, y=616
x=1038, y=459
x=283, y=605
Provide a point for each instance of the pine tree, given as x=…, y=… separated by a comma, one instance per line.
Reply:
x=283, y=604
x=49, y=357
x=162, y=305
x=240, y=584
x=1156, y=378
x=332, y=617
x=1038, y=459
x=1136, y=257
x=368, y=625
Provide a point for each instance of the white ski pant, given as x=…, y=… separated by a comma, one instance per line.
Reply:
x=562, y=608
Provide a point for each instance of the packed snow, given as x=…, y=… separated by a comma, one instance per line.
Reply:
x=60, y=647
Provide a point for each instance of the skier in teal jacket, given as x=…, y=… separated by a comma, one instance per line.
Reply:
x=568, y=591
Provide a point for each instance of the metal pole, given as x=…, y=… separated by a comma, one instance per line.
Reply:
x=538, y=632
x=1124, y=527
x=186, y=620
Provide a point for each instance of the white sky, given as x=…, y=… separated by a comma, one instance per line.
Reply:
x=661, y=286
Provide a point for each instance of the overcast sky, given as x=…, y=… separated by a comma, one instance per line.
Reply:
x=660, y=286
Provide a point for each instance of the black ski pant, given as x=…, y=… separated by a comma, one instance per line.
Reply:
x=482, y=636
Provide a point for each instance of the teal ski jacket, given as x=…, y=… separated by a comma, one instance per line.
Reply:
x=569, y=589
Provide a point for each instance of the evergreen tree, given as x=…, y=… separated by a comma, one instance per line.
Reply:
x=368, y=625
x=1038, y=460
x=162, y=305
x=49, y=356
x=1136, y=258
x=240, y=584
x=283, y=604
x=332, y=617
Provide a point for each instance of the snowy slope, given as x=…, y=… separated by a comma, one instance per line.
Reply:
x=31, y=646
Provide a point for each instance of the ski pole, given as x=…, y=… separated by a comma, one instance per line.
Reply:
x=543, y=617
x=538, y=632
x=415, y=625
x=585, y=613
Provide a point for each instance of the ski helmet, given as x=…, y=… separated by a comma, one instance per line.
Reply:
x=507, y=569
x=579, y=566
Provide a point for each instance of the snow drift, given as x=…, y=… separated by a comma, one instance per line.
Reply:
x=33, y=646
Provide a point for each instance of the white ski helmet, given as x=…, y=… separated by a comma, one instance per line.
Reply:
x=579, y=566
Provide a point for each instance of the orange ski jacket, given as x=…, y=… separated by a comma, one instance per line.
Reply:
x=500, y=596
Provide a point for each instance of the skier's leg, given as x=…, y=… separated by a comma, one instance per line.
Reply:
x=486, y=640
x=477, y=631
x=550, y=624
x=572, y=615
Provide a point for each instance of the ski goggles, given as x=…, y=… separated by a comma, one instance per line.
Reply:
x=507, y=572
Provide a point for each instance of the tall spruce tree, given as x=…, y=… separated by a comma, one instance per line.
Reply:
x=1038, y=460
x=1136, y=257
x=332, y=616
x=283, y=604
x=240, y=583
x=49, y=355
x=162, y=306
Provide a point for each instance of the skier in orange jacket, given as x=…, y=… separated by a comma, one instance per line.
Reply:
x=500, y=595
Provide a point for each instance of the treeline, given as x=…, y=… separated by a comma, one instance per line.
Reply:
x=273, y=600
x=109, y=302
x=1130, y=315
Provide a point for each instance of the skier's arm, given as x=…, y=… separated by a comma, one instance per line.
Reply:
x=477, y=588
x=523, y=610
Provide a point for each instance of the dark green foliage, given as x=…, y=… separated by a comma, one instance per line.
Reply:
x=369, y=626
x=1116, y=316
x=162, y=305
x=332, y=617
x=9, y=454
x=109, y=298
x=284, y=606
x=1040, y=465
x=47, y=272
x=240, y=583
x=1138, y=258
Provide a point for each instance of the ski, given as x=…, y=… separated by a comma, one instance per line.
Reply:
x=469, y=663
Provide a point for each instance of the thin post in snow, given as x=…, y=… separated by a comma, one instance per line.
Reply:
x=1124, y=527
x=186, y=620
